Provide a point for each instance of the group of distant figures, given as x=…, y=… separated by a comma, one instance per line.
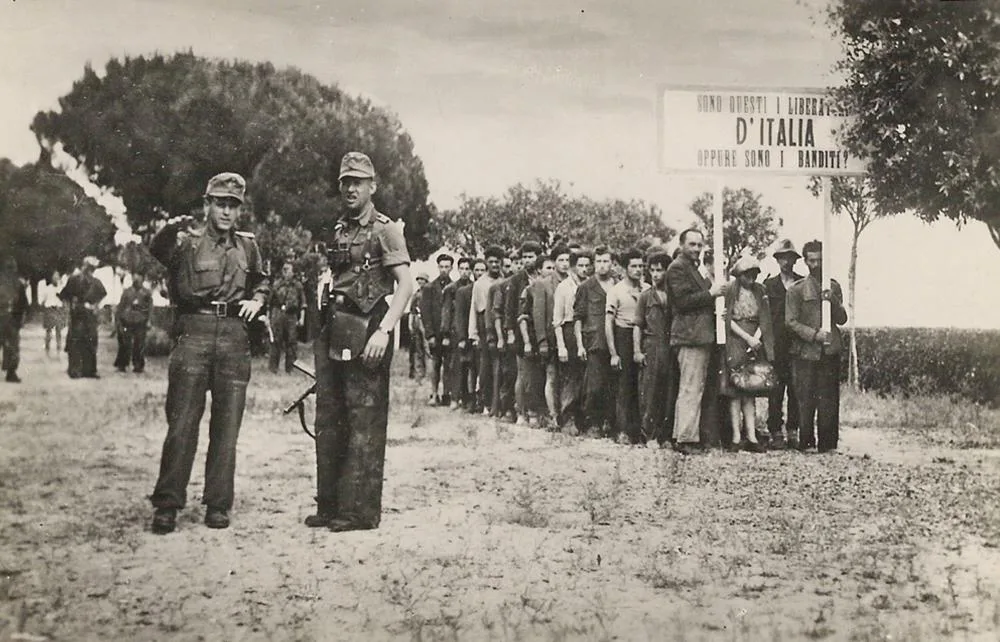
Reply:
x=565, y=339
x=74, y=303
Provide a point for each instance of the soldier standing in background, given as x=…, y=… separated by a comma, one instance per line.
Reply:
x=83, y=292
x=354, y=353
x=418, y=342
x=217, y=282
x=287, y=298
x=132, y=320
x=13, y=308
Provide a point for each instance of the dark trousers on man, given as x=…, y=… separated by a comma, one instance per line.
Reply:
x=441, y=372
x=10, y=342
x=658, y=392
x=817, y=390
x=418, y=354
x=212, y=355
x=508, y=382
x=461, y=364
x=352, y=415
x=570, y=376
x=598, y=392
x=131, y=346
x=776, y=402
x=286, y=341
x=487, y=358
x=81, y=343
x=627, y=417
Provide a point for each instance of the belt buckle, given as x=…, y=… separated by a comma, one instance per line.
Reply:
x=221, y=308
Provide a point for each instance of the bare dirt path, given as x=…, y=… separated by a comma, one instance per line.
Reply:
x=490, y=532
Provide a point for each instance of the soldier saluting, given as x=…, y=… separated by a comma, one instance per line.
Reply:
x=367, y=257
x=217, y=284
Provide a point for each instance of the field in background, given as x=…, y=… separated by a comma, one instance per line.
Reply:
x=494, y=532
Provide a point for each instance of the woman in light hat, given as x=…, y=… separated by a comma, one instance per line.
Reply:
x=749, y=337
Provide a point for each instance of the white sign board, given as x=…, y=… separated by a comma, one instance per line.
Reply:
x=764, y=131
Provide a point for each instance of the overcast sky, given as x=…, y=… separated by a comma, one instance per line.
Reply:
x=499, y=92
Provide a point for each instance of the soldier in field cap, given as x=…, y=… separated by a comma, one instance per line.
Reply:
x=217, y=284
x=367, y=257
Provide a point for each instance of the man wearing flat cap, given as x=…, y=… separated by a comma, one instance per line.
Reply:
x=777, y=287
x=217, y=284
x=367, y=257
x=83, y=293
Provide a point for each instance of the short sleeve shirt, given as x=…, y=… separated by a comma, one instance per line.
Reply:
x=623, y=300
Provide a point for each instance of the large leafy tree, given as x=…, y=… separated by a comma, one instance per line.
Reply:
x=747, y=225
x=923, y=77
x=546, y=213
x=154, y=129
x=47, y=222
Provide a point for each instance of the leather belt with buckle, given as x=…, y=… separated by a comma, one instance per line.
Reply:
x=219, y=309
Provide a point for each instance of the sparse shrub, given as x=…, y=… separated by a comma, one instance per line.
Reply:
x=915, y=361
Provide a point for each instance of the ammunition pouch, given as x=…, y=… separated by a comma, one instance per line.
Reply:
x=348, y=329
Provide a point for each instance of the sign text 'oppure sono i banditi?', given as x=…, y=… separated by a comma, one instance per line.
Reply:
x=766, y=131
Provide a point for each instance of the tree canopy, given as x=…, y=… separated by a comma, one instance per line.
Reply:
x=747, y=226
x=546, y=213
x=47, y=222
x=923, y=77
x=155, y=129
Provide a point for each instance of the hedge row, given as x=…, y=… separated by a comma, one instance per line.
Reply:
x=946, y=361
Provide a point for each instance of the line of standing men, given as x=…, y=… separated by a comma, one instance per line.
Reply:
x=569, y=344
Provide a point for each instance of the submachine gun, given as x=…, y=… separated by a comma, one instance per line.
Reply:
x=300, y=403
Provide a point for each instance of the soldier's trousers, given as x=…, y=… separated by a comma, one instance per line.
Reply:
x=10, y=342
x=286, y=341
x=81, y=343
x=352, y=413
x=131, y=346
x=599, y=393
x=211, y=355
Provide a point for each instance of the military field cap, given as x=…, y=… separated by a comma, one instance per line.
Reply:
x=423, y=276
x=227, y=185
x=745, y=264
x=356, y=164
x=785, y=246
x=91, y=261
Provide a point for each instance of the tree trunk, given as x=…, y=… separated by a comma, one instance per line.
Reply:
x=852, y=277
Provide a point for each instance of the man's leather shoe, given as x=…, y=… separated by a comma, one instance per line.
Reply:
x=217, y=518
x=12, y=377
x=319, y=520
x=164, y=520
x=341, y=525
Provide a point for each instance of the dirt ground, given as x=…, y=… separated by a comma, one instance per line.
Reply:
x=490, y=531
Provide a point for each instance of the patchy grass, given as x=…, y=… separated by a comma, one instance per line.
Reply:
x=492, y=531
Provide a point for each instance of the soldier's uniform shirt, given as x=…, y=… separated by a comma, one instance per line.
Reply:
x=212, y=353
x=204, y=266
x=287, y=296
x=352, y=399
x=136, y=305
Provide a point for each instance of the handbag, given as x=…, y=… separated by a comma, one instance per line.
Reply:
x=756, y=376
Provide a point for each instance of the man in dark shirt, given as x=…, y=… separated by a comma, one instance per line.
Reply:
x=777, y=287
x=431, y=308
x=216, y=280
x=132, y=321
x=457, y=380
x=651, y=334
x=83, y=293
x=589, y=311
x=512, y=336
x=13, y=308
